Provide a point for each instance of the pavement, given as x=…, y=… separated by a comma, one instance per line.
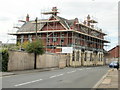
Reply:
x=2, y=74
x=109, y=80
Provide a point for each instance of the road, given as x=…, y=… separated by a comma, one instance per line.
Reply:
x=82, y=77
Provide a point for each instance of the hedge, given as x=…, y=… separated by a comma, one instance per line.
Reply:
x=5, y=57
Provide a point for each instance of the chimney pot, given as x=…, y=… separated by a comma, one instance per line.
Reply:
x=27, y=18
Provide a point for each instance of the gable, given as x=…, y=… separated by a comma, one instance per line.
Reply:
x=53, y=26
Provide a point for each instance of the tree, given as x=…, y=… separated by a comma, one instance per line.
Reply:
x=35, y=47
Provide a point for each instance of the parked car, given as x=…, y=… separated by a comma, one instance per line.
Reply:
x=113, y=64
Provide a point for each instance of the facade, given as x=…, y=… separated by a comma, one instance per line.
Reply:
x=114, y=52
x=57, y=32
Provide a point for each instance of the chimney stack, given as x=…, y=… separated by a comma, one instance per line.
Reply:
x=88, y=20
x=54, y=9
x=27, y=18
x=88, y=17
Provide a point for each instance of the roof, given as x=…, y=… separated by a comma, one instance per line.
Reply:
x=113, y=48
x=30, y=26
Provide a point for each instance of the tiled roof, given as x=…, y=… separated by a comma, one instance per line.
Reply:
x=29, y=26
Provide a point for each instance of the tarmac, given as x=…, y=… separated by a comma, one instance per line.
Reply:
x=109, y=80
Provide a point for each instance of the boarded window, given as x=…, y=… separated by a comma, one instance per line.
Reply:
x=73, y=56
x=85, y=59
x=91, y=57
x=77, y=56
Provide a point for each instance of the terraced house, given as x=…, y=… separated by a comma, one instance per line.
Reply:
x=57, y=32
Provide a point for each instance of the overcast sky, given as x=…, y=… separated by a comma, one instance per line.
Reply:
x=105, y=11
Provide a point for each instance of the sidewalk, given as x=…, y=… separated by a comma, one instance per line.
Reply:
x=110, y=80
x=2, y=74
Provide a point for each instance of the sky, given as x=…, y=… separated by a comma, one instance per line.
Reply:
x=104, y=11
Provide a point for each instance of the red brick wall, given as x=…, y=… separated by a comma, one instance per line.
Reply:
x=113, y=53
x=53, y=26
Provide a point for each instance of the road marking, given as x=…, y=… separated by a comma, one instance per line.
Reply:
x=53, y=76
x=80, y=69
x=60, y=74
x=27, y=82
x=56, y=75
x=88, y=68
x=71, y=71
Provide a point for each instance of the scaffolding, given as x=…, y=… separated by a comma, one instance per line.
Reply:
x=81, y=37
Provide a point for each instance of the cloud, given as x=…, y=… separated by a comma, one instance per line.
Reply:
x=106, y=12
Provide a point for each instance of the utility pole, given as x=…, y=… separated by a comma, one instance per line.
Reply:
x=36, y=27
x=35, y=60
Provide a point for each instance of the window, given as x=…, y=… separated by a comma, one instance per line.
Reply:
x=22, y=38
x=62, y=35
x=55, y=35
x=62, y=40
x=91, y=57
x=30, y=38
x=73, y=56
x=85, y=56
x=54, y=39
x=77, y=57
x=99, y=57
x=48, y=40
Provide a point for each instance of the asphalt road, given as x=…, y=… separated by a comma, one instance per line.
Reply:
x=83, y=77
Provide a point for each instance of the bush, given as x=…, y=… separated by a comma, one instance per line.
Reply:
x=35, y=47
x=5, y=57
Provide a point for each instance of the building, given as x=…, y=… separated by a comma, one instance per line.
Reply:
x=57, y=32
x=113, y=55
x=114, y=52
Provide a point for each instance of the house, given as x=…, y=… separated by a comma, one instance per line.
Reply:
x=57, y=32
x=114, y=52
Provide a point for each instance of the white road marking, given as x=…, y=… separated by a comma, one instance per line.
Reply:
x=53, y=76
x=56, y=75
x=80, y=69
x=60, y=74
x=88, y=68
x=71, y=71
x=27, y=82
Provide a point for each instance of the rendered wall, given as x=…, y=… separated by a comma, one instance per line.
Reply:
x=20, y=61
x=24, y=61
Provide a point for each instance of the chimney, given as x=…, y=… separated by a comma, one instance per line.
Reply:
x=27, y=18
x=88, y=20
x=88, y=17
x=84, y=22
x=54, y=9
